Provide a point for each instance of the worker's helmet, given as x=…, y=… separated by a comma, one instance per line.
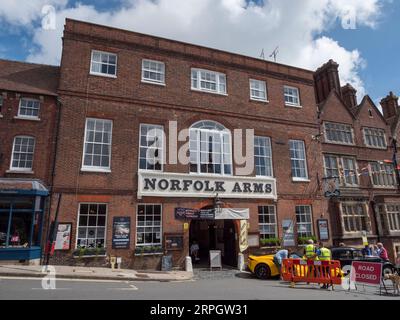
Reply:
x=310, y=241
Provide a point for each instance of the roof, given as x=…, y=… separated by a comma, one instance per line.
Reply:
x=22, y=186
x=29, y=77
x=116, y=35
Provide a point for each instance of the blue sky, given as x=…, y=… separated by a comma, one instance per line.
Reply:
x=309, y=32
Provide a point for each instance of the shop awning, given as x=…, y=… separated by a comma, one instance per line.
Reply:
x=28, y=187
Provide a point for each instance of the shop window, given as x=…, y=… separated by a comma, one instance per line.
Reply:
x=210, y=148
x=258, y=90
x=22, y=154
x=92, y=222
x=304, y=221
x=153, y=71
x=29, y=108
x=148, y=225
x=97, y=145
x=103, y=63
x=263, y=156
x=151, y=151
x=298, y=160
x=267, y=222
x=355, y=217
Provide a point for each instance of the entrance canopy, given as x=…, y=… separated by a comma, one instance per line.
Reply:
x=25, y=187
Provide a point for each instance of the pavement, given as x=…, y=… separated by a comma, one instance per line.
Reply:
x=88, y=273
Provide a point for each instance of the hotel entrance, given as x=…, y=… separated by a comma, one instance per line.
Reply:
x=214, y=235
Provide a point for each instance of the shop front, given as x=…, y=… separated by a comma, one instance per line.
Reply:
x=21, y=219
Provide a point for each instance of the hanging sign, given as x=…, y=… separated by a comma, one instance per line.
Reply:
x=121, y=232
x=194, y=214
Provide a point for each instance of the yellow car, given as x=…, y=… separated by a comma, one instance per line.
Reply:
x=263, y=267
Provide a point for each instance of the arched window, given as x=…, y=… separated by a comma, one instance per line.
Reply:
x=210, y=148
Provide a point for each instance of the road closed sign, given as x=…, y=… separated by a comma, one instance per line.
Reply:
x=368, y=273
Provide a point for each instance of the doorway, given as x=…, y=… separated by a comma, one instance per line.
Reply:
x=214, y=235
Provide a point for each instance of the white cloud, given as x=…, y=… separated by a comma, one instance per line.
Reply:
x=232, y=25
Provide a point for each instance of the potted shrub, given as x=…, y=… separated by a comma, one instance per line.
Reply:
x=303, y=240
x=271, y=242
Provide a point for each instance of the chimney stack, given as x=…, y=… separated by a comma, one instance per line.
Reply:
x=349, y=95
x=390, y=106
x=326, y=79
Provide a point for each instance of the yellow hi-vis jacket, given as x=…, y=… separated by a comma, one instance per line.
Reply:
x=310, y=251
x=325, y=254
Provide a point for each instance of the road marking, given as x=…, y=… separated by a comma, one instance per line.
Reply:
x=132, y=287
x=63, y=279
x=51, y=289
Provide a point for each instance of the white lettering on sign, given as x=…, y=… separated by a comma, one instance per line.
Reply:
x=187, y=185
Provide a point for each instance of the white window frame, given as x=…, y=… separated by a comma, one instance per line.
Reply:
x=267, y=224
x=292, y=104
x=23, y=116
x=163, y=155
x=393, y=217
x=263, y=90
x=162, y=73
x=311, y=223
x=372, y=146
x=101, y=73
x=78, y=221
x=96, y=168
x=217, y=81
x=327, y=140
x=12, y=168
x=383, y=165
x=265, y=156
x=161, y=225
x=340, y=167
x=367, y=216
x=299, y=179
x=222, y=133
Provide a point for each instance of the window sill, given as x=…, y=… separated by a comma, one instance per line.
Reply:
x=161, y=84
x=95, y=170
x=301, y=180
x=259, y=101
x=90, y=256
x=293, y=106
x=103, y=75
x=339, y=143
x=211, y=92
x=20, y=171
x=376, y=148
x=149, y=254
x=27, y=118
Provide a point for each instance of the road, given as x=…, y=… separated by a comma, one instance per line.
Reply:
x=206, y=286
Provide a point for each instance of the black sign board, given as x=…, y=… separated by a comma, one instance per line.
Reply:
x=121, y=232
x=173, y=241
x=194, y=214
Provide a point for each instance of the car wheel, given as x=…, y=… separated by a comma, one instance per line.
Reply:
x=387, y=270
x=262, y=271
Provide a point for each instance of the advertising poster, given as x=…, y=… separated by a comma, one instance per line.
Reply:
x=63, y=237
x=323, y=229
x=288, y=233
x=121, y=232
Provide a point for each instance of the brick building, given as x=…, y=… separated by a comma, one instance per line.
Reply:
x=120, y=90
x=28, y=113
x=357, y=147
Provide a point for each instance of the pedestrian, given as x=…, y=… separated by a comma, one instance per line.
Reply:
x=374, y=251
x=382, y=252
x=366, y=251
x=279, y=257
x=194, y=250
x=324, y=254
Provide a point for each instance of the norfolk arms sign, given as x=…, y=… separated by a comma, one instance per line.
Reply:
x=159, y=184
